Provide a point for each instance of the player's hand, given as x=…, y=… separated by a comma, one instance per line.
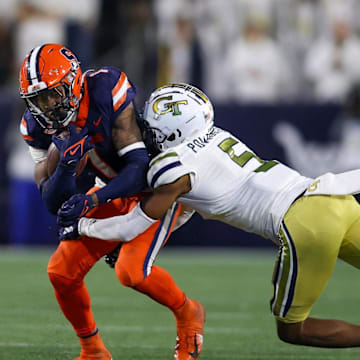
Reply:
x=69, y=232
x=73, y=209
x=73, y=147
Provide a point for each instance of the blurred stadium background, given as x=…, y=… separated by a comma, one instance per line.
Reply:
x=283, y=76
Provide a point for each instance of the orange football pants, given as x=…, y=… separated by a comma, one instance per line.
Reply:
x=134, y=268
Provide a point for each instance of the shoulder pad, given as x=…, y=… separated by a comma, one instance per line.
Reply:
x=33, y=133
x=165, y=169
x=110, y=88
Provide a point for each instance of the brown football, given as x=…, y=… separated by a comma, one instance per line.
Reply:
x=53, y=156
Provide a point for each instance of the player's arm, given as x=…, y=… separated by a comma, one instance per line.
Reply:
x=61, y=185
x=156, y=205
x=127, y=141
x=129, y=226
x=58, y=187
x=40, y=172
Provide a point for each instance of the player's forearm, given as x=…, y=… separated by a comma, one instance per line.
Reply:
x=120, y=228
x=58, y=188
x=130, y=180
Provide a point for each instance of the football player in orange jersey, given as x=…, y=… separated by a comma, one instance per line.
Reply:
x=96, y=110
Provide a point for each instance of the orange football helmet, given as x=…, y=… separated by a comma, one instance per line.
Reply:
x=51, y=84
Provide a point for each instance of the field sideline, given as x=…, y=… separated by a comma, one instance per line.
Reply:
x=234, y=286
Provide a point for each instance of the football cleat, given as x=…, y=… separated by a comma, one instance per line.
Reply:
x=190, y=319
x=93, y=348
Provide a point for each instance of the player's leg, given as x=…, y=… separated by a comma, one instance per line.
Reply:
x=135, y=269
x=66, y=269
x=312, y=235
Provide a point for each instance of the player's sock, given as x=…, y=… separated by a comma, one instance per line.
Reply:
x=161, y=287
x=92, y=347
x=74, y=301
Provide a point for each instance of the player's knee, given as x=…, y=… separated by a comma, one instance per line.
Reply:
x=128, y=275
x=63, y=284
x=289, y=333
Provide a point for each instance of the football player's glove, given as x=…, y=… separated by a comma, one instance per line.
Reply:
x=112, y=257
x=74, y=147
x=73, y=209
x=69, y=233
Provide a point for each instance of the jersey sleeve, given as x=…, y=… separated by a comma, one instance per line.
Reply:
x=111, y=90
x=166, y=168
x=32, y=133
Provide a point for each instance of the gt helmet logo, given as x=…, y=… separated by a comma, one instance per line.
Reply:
x=169, y=106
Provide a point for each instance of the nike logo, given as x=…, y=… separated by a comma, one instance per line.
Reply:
x=73, y=151
x=195, y=353
x=85, y=209
x=97, y=122
x=75, y=147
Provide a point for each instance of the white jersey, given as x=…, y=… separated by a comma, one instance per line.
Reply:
x=229, y=182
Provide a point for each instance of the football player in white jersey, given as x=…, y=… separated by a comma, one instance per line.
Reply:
x=313, y=221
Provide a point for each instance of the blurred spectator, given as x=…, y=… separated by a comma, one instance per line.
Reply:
x=38, y=22
x=298, y=24
x=179, y=57
x=81, y=17
x=341, y=154
x=69, y=23
x=8, y=9
x=217, y=24
x=126, y=39
x=331, y=64
x=257, y=69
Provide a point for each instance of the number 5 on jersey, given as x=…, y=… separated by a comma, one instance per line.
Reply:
x=227, y=146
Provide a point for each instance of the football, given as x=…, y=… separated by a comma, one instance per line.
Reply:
x=52, y=159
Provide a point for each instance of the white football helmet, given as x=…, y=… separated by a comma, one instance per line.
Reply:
x=176, y=112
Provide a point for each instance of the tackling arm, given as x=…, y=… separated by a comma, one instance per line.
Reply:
x=127, y=227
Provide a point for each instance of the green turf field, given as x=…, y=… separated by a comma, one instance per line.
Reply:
x=233, y=286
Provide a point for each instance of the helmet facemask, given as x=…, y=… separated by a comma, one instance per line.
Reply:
x=55, y=115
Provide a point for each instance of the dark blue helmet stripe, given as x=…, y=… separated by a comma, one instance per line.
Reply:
x=28, y=67
x=37, y=64
x=33, y=65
